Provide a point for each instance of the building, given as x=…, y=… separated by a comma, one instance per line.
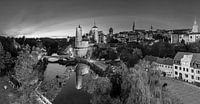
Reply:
x=81, y=47
x=186, y=66
x=186, y=35
x=165, y=65
x=102, y=37
x=180, y=35
x=94, y=32
x=194, y=36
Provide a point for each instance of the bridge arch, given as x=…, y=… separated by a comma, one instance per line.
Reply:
x=82, y=67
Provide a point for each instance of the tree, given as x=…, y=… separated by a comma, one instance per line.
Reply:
x=27, y=76
x=134, y=85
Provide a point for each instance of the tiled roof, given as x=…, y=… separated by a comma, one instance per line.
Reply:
x=150, y=58
x=194, y=60
x=165, y=61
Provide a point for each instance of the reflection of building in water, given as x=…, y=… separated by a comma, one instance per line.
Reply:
x=81, y=47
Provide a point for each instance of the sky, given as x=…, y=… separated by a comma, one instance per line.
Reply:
x=59, y=18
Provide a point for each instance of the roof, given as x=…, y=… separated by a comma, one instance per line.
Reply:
x=165, y=61
x=94, y=27
x=150, y=58
x=195, y=33
x=195, y=57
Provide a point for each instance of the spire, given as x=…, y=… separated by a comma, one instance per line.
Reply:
x=195, y=21
x=133, y=27
x=94, y=24
x=79, y=26
x=195, y=26
x=151, y=28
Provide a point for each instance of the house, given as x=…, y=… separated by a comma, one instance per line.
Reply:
x=186, y=66
x=165, y=65
x=179, y=35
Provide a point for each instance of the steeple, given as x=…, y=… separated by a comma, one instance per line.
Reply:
x=133, y=27
x=94, y=24
x=79, y=26
x=195, y=26
x=151, y=28
x=195, y=21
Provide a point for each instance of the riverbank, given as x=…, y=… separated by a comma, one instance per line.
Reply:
x=51, y=87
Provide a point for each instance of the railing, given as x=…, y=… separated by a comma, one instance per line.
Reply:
x=43, y=99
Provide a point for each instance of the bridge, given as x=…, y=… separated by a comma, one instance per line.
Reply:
x=82, y=66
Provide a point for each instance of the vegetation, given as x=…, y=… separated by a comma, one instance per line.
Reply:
x=6, y=61
x=26, y=74
x=129, y=86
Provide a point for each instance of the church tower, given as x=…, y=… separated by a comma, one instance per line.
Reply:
x=195, y=27
x=78, y=38
x=133, y=27
x=111, y=31
x=95, y=32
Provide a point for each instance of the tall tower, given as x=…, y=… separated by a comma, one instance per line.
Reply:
x=151, y=28
x=111, y=31
x=95, y=32
x=133, y=27
x=195, y=27
x=78, y=38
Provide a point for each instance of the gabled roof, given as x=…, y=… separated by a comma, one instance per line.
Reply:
x=165, y=61
x=195, y=57
x=150, y=58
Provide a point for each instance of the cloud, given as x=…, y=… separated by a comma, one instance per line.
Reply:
x=62, y=27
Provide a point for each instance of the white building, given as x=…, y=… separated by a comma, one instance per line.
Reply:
x=95, y=33
x=165, y=65
x=186, y=66
x=162, y=64
x=194, y=36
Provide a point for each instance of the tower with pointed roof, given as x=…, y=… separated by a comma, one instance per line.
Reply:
x=95, y=32
x=110, y=31
x=195, y=27
x=133, y=27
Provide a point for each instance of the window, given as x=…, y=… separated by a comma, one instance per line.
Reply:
x=179, y=68
x=176, y=73
x=176, y=67
x=198, y=78
x=192, y=70
x=198, y=72
x=183, y=69
x=166, y=66
x=186, y=75
x=192, y=77
x=187, y=69
x=190, y=36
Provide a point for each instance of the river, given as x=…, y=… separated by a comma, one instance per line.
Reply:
x=69, y=94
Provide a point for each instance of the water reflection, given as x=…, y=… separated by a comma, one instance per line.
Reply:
x=69, y=94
